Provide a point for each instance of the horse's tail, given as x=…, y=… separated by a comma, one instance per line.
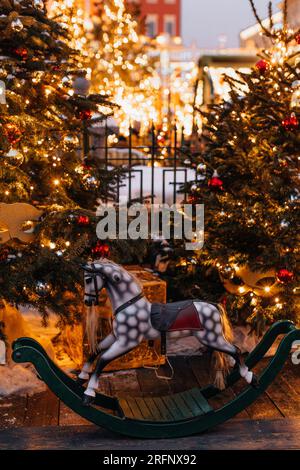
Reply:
x=222, y=361
x=91, y=327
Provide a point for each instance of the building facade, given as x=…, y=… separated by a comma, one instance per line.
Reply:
x=161, y=16
x=251, y=38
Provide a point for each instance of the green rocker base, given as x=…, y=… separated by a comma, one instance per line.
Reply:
x=181, y=414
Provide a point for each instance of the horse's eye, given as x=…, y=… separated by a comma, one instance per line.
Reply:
x=88, y=280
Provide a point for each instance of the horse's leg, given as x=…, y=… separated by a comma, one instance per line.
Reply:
x=117, y=349
x=219, y=343
x=101, y=347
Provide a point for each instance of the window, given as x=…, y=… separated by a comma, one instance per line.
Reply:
x=151, y=24
x=170, y=24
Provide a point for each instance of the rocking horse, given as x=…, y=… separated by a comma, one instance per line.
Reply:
x=136, y=319
x=175, y=415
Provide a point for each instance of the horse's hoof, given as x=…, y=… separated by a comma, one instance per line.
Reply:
x=87, y=400
x=255, y=381
x=80, y=381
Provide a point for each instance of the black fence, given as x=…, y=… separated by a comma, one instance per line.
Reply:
x=165, y=155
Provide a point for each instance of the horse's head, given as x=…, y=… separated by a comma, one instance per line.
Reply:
x=94, y=281
x=105, y=273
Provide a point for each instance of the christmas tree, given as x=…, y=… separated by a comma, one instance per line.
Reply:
x=248, y=182
x=122, y=68
x=45, y=106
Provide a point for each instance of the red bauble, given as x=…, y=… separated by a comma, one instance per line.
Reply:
x=262, y=65
x=21, y=52
x=298, y=38
x=215, y=182
x=284, y=275
x=101, y=249
x=83, y=220
x=291, y=123
x=85, y=114
x=12, y=133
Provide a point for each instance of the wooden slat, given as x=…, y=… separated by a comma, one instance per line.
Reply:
x=285, y=397
x=154, y=409
x=181, y=405
x=202, y=402
x=126, y=408
x=184, y=378
x=145, y=410
x=165, y=413
x=67, y=417
x=192, y=404
x=242, y=434
x=123, y=384
x=150, y=384
x=135, y=408
x=12, y=411
x=263, y=407
x=42, y=410
x=171, y=404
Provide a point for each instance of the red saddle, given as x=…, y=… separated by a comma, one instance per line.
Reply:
x=175, y=316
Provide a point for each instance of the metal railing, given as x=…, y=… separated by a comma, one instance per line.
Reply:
x=166, y=159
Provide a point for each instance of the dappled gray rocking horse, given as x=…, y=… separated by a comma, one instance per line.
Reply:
x=136, y=319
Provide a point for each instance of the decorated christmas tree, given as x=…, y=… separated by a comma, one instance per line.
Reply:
x=49, y=188
x=123, y=69
x=249, y=182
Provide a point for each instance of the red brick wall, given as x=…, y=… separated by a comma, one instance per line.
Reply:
x=161, y=8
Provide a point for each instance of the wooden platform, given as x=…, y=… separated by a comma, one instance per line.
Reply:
x=281, y=400
x=279, y=434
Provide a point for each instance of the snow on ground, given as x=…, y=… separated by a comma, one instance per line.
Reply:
x=19, y=379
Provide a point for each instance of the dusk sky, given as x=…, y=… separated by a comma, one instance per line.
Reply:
x=203, y=21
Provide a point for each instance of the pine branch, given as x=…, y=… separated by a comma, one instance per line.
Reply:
x=271, y=15
x=266, y=31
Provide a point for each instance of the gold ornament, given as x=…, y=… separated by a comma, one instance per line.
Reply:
x=14, y=157
x=12, y=219
x=262, y=284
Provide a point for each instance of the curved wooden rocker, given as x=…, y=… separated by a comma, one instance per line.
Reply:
x=178, y=415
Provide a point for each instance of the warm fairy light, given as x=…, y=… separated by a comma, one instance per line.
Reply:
x=241, y=289
x=48, y=92
x=115, y=62
x=56, y=182
x=68, y=243
x=52, y=245
x=6, y=193
x=267, y=289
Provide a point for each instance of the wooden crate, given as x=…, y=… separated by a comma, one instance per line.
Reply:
x=148, y=352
